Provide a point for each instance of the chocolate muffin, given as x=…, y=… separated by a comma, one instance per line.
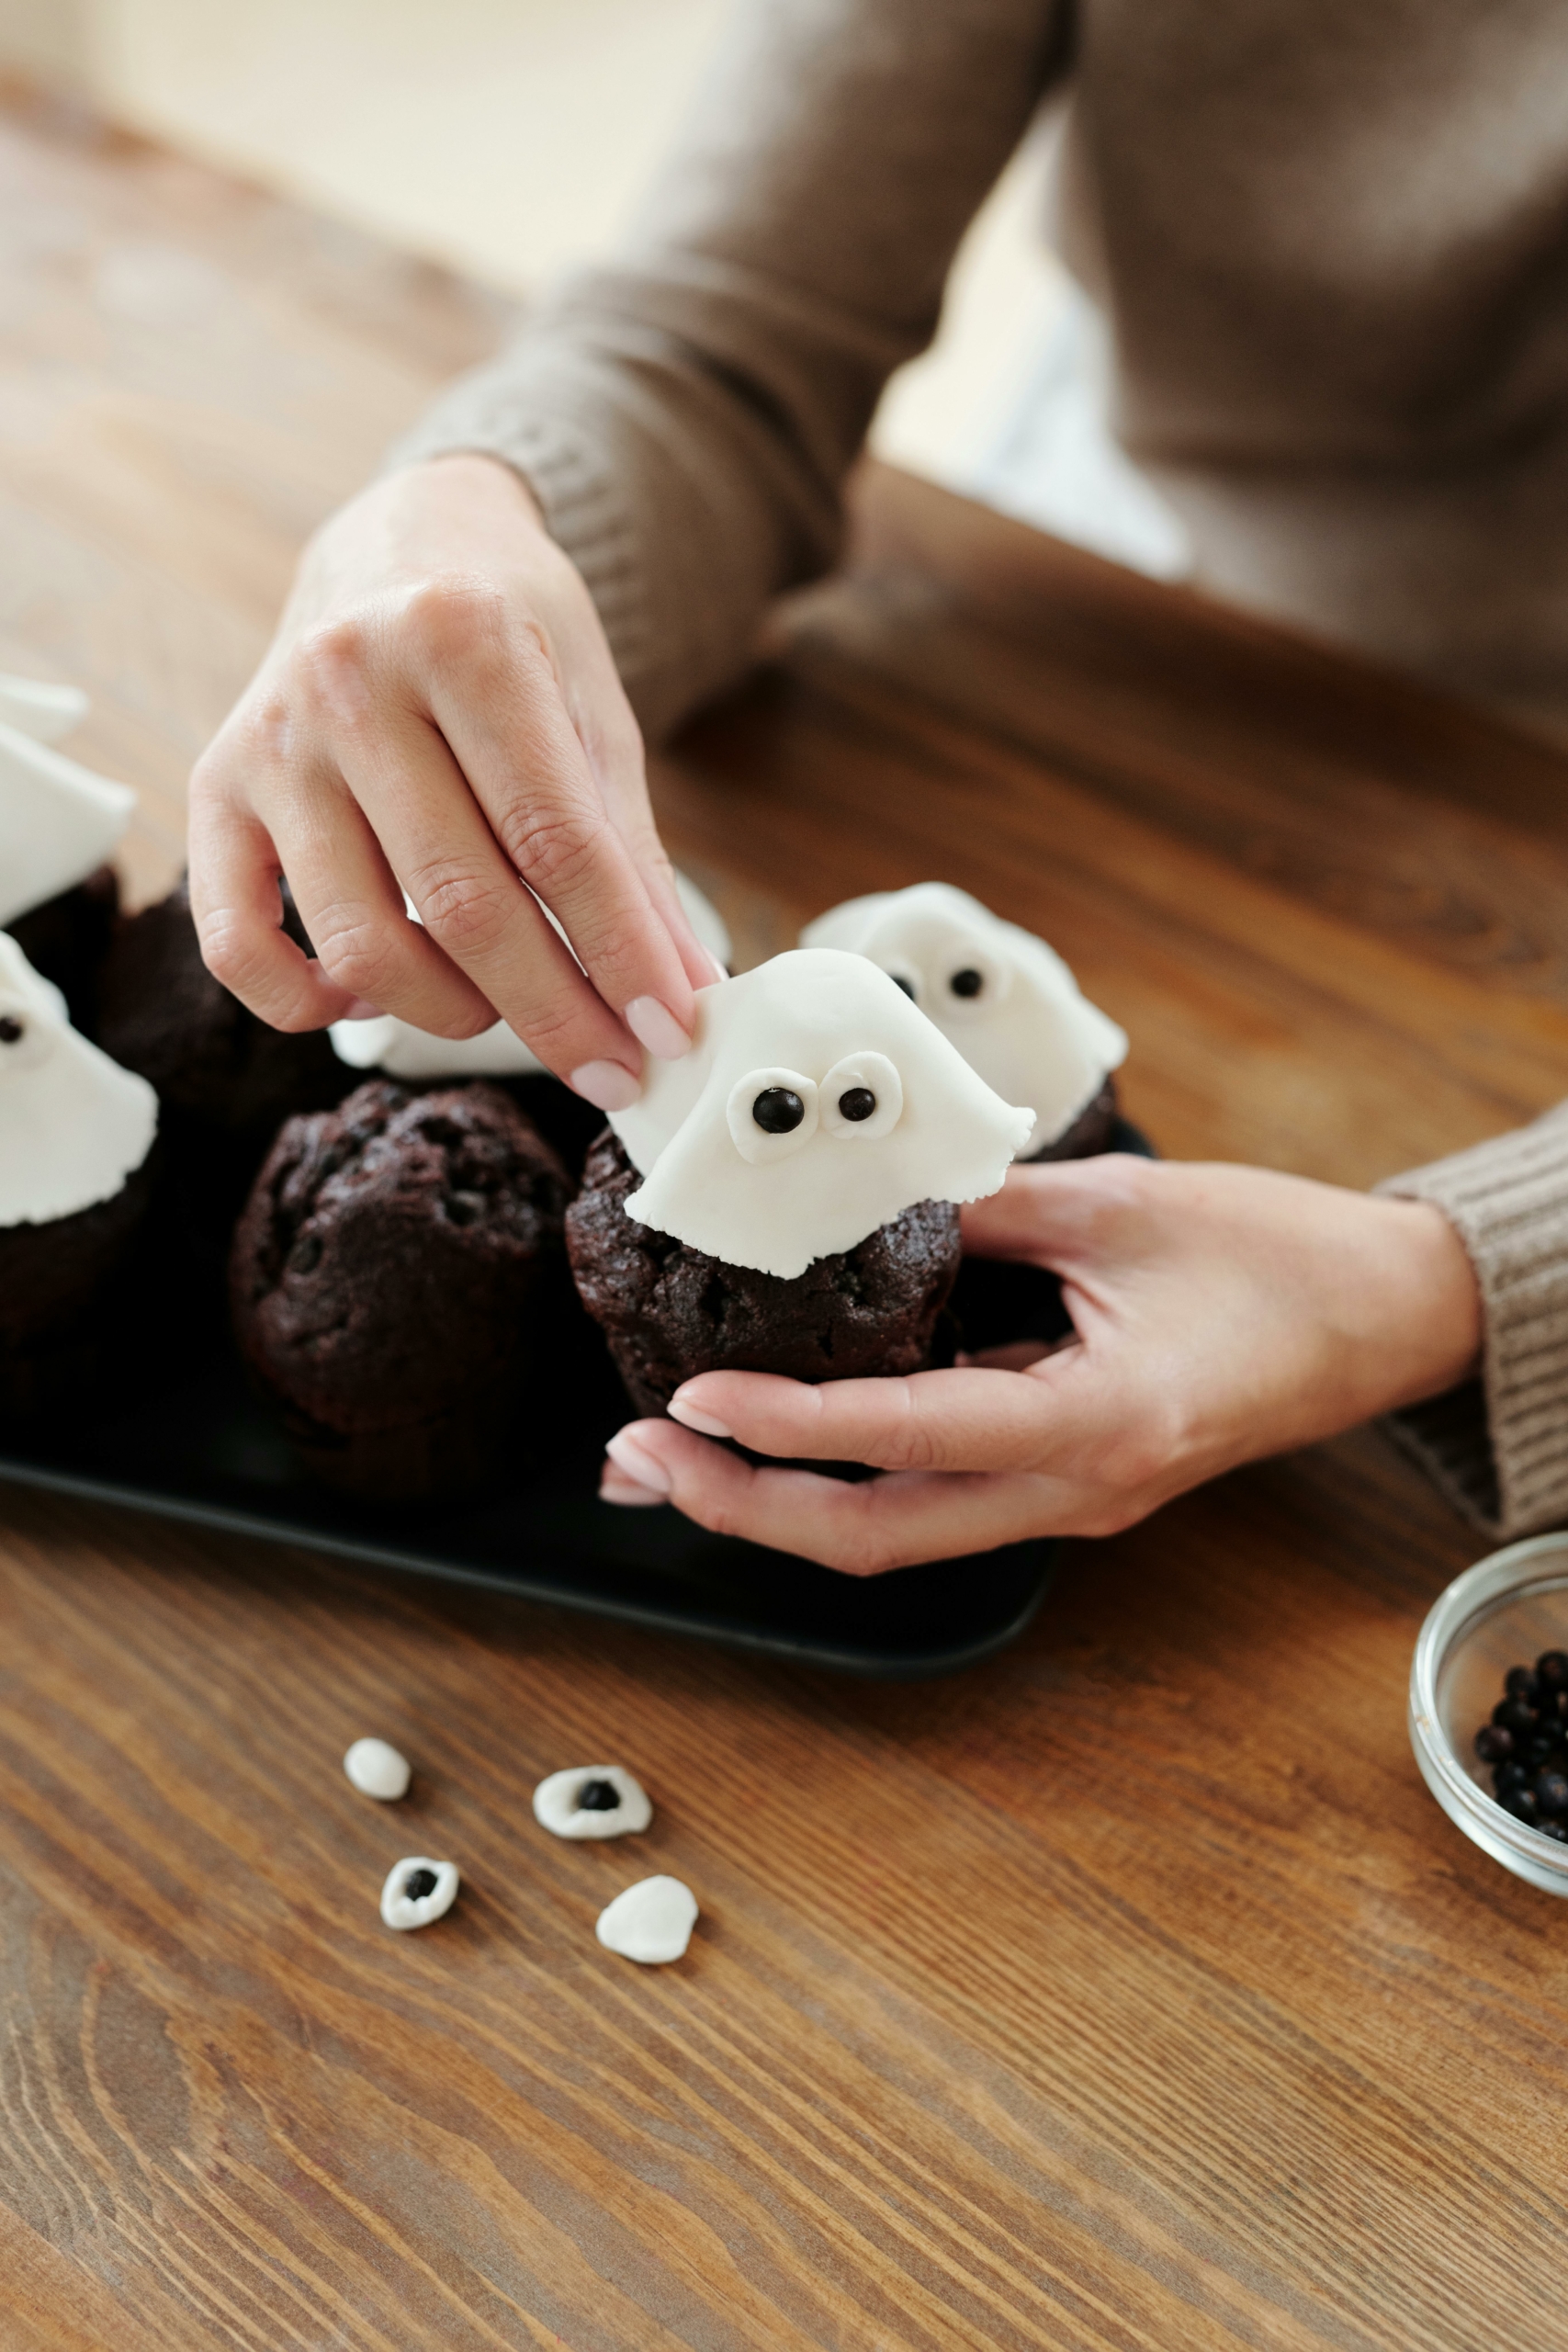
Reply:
x=1092, y=1132
x=61, y=1283
x=225, y=1079
x=669, y=1312
x=67, y=941
x=165, y=1017
x=390, y=1282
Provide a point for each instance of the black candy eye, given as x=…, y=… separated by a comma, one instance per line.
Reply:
x=857, y=1102
x=598, y=1796
x=418, y=1884
x=778, y=1111
x=908, y=986
x=11, y=1031
x=968, y=982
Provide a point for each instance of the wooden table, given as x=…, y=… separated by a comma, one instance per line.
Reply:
x=1128, y=1993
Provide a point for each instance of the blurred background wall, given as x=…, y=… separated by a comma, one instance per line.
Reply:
x=509, y=138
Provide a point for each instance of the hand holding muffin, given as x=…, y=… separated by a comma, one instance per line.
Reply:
x=1222, y=1314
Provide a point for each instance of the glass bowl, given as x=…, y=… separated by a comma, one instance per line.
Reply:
x=1502, y=1612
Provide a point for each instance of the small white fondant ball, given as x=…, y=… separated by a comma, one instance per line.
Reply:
x=402, y=1909
x=558, y=1803
x=376, y=1770
x=652, y=1921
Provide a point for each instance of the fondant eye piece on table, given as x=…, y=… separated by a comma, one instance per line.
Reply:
x=593, y=1801
x=418, y=1891
x=771, y=1112
x=378, y=1770
x=650, y=1922
x=861, y=1098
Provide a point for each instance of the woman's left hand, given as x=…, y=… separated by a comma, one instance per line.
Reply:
x=1221, y=1313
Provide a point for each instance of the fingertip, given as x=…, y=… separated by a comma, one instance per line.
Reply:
x=614, y=1487
x=633, y=1452
x=609, y=1086
x=682, y=1409
x=657, y=1029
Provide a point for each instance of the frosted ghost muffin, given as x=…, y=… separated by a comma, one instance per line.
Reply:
x=398, y=1049
x=225, y=1079
x=390, y=1283
x=785, y=1197
x=59, y=824
x=1005, y=1000
x=76, y=1135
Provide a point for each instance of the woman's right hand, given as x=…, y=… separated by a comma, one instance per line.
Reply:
x=439, y=713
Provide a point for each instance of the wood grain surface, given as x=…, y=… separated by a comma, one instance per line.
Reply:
x=1126, y=1995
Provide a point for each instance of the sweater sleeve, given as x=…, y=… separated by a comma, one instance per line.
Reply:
x=1499, y=1447
x=686, y=417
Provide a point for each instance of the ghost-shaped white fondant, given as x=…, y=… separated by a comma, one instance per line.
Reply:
x=1007, y=1001
x=42, y=711
x=816, y=1105
x=58, y=821
x=404, y=1051
x=73, y=1125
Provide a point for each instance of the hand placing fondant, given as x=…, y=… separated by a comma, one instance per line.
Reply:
x=1222, y=1314
x=440, y=713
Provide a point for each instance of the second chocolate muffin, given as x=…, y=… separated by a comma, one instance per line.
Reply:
x=386, y=1279
x=67, y=939
x=669, y=1311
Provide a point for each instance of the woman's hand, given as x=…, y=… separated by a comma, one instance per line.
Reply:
x=1221, y=1312
x=440, y=713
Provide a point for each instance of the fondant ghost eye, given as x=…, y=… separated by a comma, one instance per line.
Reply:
x=24, y=1040
x=976, y=983
x=862, y=1097
x=905, y=977
x=778, y=1110
x=771, y=1112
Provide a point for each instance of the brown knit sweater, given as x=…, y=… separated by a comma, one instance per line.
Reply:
x=1332, y=247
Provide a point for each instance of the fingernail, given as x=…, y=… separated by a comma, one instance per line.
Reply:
x=654, y=1025
x=720, y=971
x=705, y=1424
x=614, y=1487
x=609, y=1086
x=361, y=1010
x=634, y=1462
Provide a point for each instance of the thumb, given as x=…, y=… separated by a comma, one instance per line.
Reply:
x=1060, y=1215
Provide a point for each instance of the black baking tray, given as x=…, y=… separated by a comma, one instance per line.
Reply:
x=208, y=1451
x=200, y=1447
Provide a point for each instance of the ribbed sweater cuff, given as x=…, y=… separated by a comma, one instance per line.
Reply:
x=575, y=487
x=1499, y=1447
